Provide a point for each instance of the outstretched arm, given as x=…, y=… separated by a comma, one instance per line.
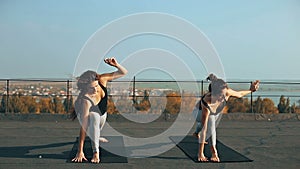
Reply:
x=253, y=87
x=205, y=115
x=113, y=75
x=80, y=157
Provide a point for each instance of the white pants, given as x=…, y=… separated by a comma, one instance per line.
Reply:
x=211, y=134
x=96, y=123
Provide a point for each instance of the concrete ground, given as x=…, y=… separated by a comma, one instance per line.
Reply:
x=35, y=143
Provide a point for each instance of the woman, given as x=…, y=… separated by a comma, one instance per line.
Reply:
x=212, y=104
x=91, y=106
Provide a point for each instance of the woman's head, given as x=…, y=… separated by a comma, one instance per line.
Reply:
x=88, y=82
x=217, y=86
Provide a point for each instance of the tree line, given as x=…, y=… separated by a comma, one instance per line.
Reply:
x=261, y=105
x=18, y=103
x=171, y=103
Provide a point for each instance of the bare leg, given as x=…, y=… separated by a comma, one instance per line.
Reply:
x=201, y=156
x=214, y=152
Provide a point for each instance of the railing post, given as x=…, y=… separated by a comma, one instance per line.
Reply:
x=133, y=95
x=202, y=92
x=68, y=96
x=251, y=100
x=133, y=89
x=7, y=96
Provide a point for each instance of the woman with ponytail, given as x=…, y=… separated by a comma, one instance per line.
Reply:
x=211, y=106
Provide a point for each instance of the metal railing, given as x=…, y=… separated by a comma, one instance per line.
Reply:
x=63, y=89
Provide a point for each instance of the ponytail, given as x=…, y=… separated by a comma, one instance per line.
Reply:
x=212, y=77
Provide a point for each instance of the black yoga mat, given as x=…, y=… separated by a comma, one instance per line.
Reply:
x=189, y=145
x=115, y=142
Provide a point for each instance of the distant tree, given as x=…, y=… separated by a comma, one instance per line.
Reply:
x=235, y=105
x=268, y=106
x=16, y=105
x=45, y=105
x=258, y=105
x=10, y=104
x=158, y=104
x=71, y=103
x=283, y=105
x=188, y=102
x=123, y=105
x=294, y=108
x=288, y=104
x=3, y=104
x=68, y=104
x=29, y=104
x=111, y=108
x=57, y=105
x=144, y=104
x=265, y=106
x=173, y=103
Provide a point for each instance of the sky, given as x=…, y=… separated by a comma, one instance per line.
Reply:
x=257, y=39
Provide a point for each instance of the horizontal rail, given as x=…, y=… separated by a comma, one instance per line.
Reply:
x=9, y=84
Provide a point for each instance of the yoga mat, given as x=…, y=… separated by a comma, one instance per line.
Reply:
x=115, y=142
x=189, y=145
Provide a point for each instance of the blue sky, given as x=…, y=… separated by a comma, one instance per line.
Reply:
x=254, y=39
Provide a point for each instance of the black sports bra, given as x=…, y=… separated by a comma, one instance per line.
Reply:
x=102, y=105
x=219, y=108
x=93, y=108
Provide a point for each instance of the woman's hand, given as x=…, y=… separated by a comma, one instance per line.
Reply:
x=254, y=86
x=111, y=61
x=80, y=157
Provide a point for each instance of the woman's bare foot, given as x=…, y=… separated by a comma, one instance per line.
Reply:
x=95, y=158
x=202, y=158
x=215, y=158
x=103, y=140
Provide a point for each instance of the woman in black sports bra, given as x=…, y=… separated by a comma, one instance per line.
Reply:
x=91, y=106
x=211, y=105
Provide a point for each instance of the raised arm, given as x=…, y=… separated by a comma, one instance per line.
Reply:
x=253, y=87
x=105, y=77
